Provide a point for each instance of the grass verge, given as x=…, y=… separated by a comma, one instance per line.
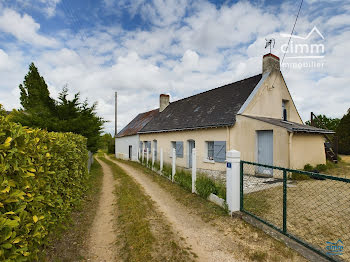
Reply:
x=69, y=242
x=143, y=234
x=252, y=244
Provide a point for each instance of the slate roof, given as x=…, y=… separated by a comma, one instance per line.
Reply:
x=214, y=108
x=138, y=123
x=292, y=126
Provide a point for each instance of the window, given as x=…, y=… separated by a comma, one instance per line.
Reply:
x=147, y=144
x=211, y=150
x=284, y=110
x=217, y=151
x=155, y=149
x=179, y=147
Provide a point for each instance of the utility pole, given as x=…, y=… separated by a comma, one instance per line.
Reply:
x=115, y=115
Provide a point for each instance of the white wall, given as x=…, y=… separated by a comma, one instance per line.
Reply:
x=122, y=147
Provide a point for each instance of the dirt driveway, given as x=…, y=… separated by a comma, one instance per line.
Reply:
x=217, y=240
x=102, y=235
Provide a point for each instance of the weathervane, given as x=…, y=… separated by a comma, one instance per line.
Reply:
x=270, y=43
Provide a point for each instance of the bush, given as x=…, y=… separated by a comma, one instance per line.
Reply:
x=149, y=163
x=43, y=175
x=167, y=170
x=156, y=165
x=220, y=190
x=321, y=167
x=205, y=186
x=184, y=179
x=308, y=168
x=298, y=176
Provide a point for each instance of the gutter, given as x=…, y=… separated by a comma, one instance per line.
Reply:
x=183, y=129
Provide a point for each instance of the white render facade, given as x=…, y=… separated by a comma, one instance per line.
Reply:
x=127, y=147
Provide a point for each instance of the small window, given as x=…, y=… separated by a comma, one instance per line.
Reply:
x=284, y=110
x=179, y=148
x=210, y=150
x=147, y=144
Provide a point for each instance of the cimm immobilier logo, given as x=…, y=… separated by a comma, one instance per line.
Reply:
x=335, y=249
x=304, y=51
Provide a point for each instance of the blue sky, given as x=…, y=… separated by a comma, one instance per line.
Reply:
x=143, y=48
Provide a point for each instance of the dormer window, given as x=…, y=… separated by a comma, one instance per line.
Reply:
x=284, y=110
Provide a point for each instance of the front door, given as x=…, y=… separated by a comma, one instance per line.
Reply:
x=191, y=146
x=130, y=152
x=265, y=151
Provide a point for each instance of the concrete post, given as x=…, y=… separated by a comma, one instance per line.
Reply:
x=194, y=170
x=147, y=156
x=143, y=151
x=173, y=165
x=161, y=159
x=153, y=157
x=233, y=159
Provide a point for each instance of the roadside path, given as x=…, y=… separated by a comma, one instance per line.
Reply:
x=205, y=240
x=102, y=235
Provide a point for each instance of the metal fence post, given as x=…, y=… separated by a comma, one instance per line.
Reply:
x=194, y=170
x=161, y=160
x=173, y=165
x=284, y=201
x=241, y=186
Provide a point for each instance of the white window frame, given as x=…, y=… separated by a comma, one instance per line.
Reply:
x=207, y=159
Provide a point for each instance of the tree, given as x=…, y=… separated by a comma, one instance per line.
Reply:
x=64, y=115
x=77, y=117
x=2, y=111
x=322, y=121
x=343, y=133
x=107, y=143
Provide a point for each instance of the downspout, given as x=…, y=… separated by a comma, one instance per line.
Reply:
x=228, y=138
x=290, y=149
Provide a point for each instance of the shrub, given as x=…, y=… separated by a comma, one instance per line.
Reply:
x=167, y=170
x=205, y=186
x=308, y=168
x=184, y=179
x=156, y=165
x=149, y=163
x=298, y=176
x=220, y=190
x=321, y=167
x=43, y=175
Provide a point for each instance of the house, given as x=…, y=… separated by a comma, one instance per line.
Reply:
x=256, y=116
x=127, y=141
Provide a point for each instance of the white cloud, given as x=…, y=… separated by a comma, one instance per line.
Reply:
x=50, y=6
x=189, y=48
x=24, y=28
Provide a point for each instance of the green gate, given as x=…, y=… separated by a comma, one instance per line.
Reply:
x=310, y=208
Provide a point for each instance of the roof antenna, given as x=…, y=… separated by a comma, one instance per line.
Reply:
x=270, y=43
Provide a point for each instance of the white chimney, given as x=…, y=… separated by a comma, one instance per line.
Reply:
x=270, y=63
x=164, y=101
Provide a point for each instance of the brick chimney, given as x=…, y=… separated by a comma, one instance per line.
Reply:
x=164, y=101
x=270, y=63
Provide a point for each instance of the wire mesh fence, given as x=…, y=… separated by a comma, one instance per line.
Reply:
x=312, y=208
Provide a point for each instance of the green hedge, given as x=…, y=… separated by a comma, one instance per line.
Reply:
x=42, y=177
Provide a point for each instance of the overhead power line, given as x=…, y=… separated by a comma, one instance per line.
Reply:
x=296, y=19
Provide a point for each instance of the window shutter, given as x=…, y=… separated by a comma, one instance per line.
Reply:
x=219, y=151
x=179, y=149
